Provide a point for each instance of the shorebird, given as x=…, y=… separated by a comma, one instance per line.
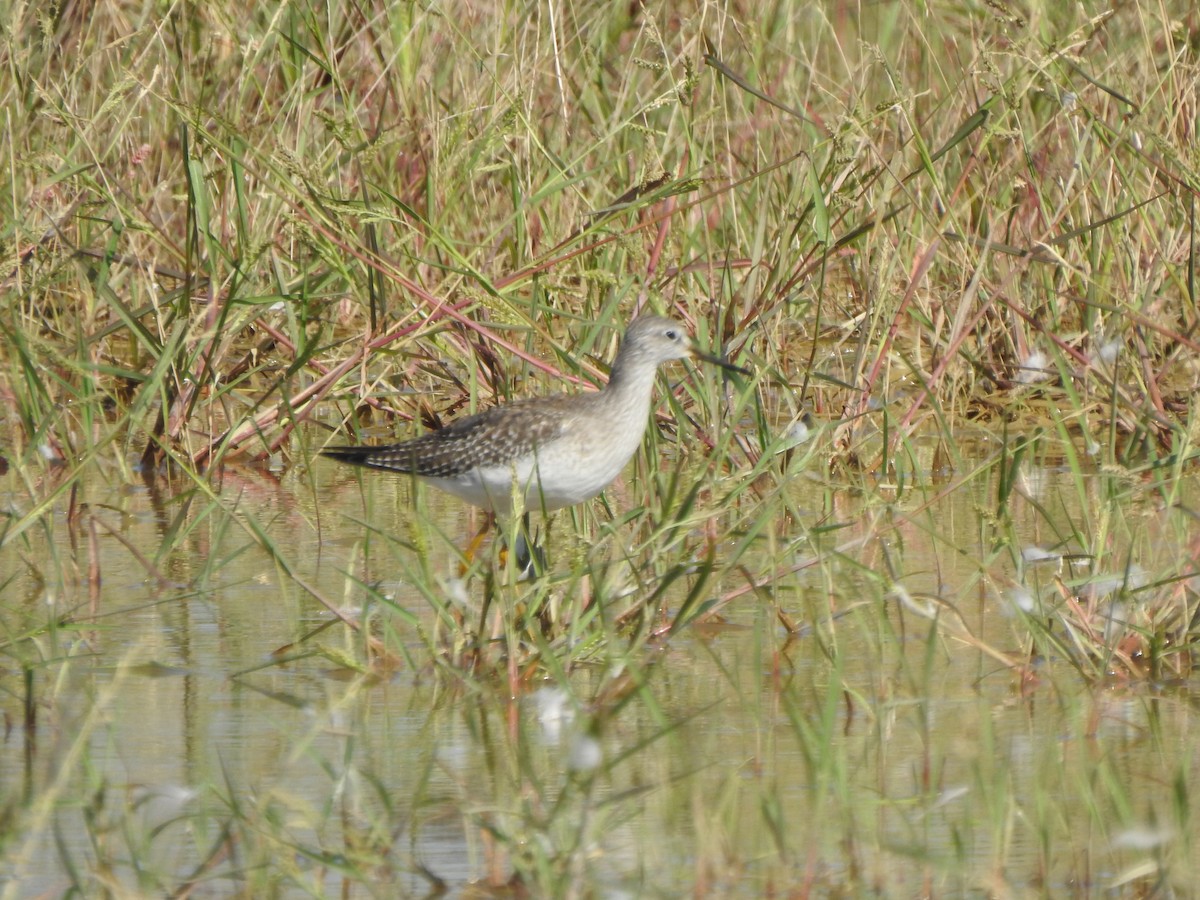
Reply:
x=544, y=453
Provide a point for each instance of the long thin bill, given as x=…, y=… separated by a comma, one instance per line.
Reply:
x=720, y=361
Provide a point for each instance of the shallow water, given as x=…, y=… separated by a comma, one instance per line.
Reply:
x=874, y=750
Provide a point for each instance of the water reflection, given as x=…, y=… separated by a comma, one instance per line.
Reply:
x=878, y=748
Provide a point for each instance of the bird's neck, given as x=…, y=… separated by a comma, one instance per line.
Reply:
x=630, y=388
x=628, y=377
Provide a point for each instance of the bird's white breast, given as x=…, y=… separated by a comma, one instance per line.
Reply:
x=576, y=466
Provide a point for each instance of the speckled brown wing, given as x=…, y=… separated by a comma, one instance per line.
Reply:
x=494, y=437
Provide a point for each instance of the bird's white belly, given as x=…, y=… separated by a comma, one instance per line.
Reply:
x=562, y=474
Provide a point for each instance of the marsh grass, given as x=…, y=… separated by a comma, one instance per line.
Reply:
x=956, y=245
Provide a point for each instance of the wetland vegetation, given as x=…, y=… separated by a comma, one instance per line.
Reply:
x=908, y=612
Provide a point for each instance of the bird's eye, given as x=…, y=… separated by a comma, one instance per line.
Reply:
x=672, y=334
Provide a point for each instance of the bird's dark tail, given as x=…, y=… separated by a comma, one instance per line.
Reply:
x=394, y=457
x=356, y=456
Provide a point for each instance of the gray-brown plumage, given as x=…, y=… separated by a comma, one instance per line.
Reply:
x=557, y=451
x=490, y=438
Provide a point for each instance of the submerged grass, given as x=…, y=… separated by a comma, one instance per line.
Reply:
x=955, y=243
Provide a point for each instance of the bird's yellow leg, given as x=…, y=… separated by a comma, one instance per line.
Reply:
x=476, y=543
